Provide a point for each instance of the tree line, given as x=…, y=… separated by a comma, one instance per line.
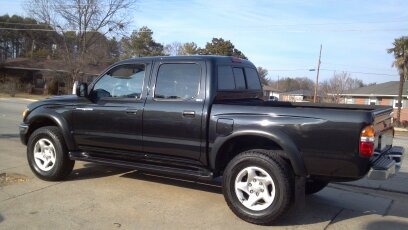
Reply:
x=94, y=47
x=83, y=32
x=89, y=33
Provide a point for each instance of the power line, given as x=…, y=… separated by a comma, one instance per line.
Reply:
x=333, y=70
x=23, y=24
x=380, y=74
x=355, y=66
x=45, y=30
x=340, y=23
x=290, y=31
x=283, y=70
x=20, y=29
x=266, y=27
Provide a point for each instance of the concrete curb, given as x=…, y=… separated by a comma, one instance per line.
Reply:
x=25, y=99
x=370, y=187
x=398, y=129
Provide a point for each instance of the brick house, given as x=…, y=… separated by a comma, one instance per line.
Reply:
x=302, y=95
x=269, y=91
x=379, y=94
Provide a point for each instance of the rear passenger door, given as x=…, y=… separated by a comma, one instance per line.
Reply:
x=173, y=113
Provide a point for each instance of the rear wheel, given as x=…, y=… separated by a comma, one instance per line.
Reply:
x=47, y=154
x=258, y=186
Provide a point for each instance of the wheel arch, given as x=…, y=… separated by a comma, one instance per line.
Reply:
x=39, y=120
x=227, y=148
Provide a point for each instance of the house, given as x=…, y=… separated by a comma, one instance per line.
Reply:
x=34, y=74
x=269, y=91
x=379, y=94
x=301, y=95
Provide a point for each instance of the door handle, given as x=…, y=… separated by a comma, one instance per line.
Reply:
x=131, y=111
x=188, y=113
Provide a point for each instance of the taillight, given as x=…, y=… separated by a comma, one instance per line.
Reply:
x=367, y=139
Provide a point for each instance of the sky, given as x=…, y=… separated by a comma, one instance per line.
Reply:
x=282, y=36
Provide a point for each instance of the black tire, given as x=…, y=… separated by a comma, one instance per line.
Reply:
x=282, y=177
x=62, y=166
x=315, y=186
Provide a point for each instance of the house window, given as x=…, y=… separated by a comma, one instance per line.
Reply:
x=404, y=103
x=349, y=101
x=372, y=101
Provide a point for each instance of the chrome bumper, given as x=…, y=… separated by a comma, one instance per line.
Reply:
x=387, y=164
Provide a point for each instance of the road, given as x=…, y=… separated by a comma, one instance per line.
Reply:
x=10, y=115
x=101, y=197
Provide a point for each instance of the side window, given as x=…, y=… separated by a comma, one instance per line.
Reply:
x=225, y=78
x=125, y=81
x=239, y=78
x=252, y=79
x=178, y=81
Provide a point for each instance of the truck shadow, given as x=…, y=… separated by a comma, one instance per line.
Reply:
x=213, y=186
x=387, y=224
x=92, y=171
x=326, y=207
x=318, y=208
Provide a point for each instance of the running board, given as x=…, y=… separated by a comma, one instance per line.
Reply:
x=203, y=174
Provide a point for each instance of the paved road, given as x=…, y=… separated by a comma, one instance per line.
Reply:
x=100, y=197
x=10, y=115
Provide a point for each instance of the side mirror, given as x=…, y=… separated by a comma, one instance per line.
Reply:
x=81, y=89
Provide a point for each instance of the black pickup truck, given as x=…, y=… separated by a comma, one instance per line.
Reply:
x=204, y=117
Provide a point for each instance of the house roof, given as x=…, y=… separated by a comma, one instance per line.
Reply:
x=302, y=92
x=270, y=88
x=384, y=89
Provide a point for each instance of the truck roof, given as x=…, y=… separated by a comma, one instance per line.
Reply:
x=213, y=58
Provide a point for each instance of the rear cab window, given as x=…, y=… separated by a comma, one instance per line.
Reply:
x=237, y=78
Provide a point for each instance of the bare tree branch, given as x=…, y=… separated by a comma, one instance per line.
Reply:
x=89, y=18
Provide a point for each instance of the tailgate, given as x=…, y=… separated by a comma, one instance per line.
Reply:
x=383, y=128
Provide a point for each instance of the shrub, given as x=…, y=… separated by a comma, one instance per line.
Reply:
x=52, y=87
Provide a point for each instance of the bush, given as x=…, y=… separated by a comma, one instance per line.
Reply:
x=52, y=87
x=11, y=86
x=38, y=53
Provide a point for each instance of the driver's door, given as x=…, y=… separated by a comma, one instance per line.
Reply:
x=112, y=121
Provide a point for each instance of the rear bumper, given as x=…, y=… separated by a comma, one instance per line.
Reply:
x=387, y=164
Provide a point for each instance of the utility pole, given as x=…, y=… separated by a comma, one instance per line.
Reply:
x=317, y=76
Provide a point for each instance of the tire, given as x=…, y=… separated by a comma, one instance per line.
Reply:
x=47, y=154
x=272, y=186
x=315, y=186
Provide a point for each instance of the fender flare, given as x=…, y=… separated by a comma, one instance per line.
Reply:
x=58, y=120
x=290, y=150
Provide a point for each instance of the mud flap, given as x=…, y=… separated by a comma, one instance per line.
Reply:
x=300, y=193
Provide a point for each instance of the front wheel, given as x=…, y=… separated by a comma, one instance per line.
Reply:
x=47, y=154
x=258, y=186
